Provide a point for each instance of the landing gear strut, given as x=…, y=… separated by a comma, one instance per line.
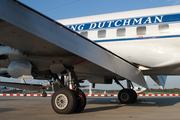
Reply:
x=69, y=99
x=127, y=95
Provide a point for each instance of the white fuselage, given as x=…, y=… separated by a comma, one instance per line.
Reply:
x=149, y=38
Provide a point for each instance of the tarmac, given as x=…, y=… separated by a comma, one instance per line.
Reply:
x=97, y=108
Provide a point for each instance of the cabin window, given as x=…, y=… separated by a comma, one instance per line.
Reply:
x=163, y=28
x=101, y=33
x=141, y=30
x=121, y=32
x=85, y=34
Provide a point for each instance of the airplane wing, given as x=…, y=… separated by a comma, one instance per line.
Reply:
x=32, y=33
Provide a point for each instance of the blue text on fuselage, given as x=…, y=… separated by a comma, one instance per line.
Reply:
x=125, y=22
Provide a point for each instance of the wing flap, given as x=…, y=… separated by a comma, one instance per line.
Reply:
x=35, y=34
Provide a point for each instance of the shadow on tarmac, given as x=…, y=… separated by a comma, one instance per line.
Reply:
x=104, y=108
x=147, y=102
x=159, y=101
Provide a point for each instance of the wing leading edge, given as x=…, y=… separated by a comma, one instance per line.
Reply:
x=32, y=33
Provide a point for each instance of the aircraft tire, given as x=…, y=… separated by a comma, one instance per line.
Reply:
x=81, y=101
x=44, y=94
x=126, y=96
x=64, y=101
x=135, y=95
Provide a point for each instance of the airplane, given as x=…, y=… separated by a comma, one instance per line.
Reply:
x=100, y=49
x=10, y=85
x=4, y=89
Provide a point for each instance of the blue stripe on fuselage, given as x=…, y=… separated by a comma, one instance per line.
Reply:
x=138, y=38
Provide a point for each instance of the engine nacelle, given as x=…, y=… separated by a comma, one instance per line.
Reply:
x=19, y=68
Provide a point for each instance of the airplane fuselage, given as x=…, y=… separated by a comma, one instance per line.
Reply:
x=149, y=38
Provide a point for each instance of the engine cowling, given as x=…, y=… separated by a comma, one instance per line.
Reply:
x=19, y=68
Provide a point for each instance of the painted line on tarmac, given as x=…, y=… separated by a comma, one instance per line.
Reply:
x=93, y=95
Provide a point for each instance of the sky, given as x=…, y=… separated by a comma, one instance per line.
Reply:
x=63, y=9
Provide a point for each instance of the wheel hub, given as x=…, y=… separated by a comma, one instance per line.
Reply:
x=124, y=96
x=61, y=101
